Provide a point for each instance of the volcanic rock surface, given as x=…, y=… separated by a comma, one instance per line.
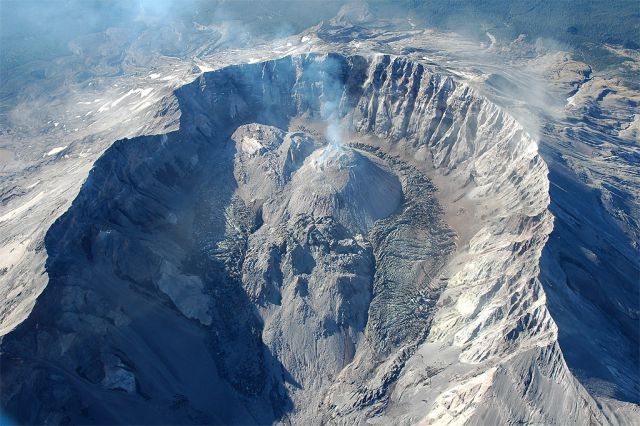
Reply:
x=254, y=266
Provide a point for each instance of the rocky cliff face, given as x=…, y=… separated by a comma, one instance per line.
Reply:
x=255, y=266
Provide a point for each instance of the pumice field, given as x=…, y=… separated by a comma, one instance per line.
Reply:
x=235, y=212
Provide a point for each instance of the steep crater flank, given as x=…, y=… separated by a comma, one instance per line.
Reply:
x=252, y=267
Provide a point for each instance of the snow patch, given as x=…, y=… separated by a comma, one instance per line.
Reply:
x=250, y=145
x=23, y=208
x=56, y=150
x=142, y=92
x=12, y=253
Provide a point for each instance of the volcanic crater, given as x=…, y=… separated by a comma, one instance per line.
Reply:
x=314, y=221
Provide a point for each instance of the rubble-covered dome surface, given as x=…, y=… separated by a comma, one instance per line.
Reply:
x=249, y=268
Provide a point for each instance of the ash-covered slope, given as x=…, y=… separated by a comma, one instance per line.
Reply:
x=244, y=270
x=335, y=180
